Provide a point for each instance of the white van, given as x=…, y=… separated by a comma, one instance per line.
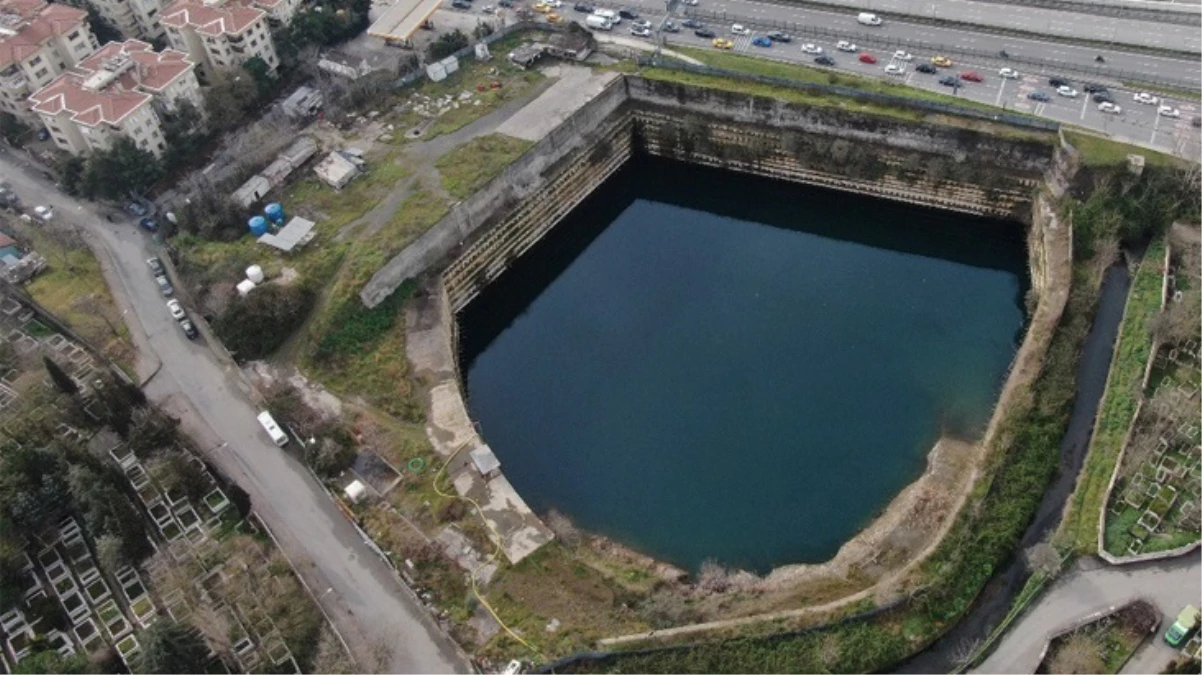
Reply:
x=277, y=434
x=610, y=14
x=599, y=22
x=869, y=19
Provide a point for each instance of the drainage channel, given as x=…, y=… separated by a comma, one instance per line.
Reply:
x=994, y=601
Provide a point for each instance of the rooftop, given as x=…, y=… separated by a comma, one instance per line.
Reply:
x=212, y=17
x=400, y=20
x=25, y=25
x=148, y=69
x=92, y=99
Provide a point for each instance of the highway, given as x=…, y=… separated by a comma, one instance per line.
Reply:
x=387, y=629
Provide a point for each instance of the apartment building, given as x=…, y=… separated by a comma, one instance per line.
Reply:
x=138, y=18
x=220, y=34
x=38, y=42
x=118, y=91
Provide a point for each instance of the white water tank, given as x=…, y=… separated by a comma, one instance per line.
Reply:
x=255, y=274
x=245, y=286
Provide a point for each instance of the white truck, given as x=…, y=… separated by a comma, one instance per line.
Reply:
x=277, y=434
x=868, y=19
x=614, y=18
x=598, y=22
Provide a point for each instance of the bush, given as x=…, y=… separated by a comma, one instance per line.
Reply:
x=256, y=325
x=446, y=44
x=354, y=327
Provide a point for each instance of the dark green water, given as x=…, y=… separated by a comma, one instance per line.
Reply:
x=706, y=365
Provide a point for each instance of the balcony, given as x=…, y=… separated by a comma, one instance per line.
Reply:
x=15, y=81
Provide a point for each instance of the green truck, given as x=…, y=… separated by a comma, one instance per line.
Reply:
x=1183, y=627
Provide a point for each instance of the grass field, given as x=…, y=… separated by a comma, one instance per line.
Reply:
x=468, y=167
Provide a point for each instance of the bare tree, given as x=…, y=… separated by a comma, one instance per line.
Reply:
x=713, y=577
x=215, y=627
x=563, y=529
x=1079, y=653
x=965, y=650
x=332, y=658
x=1043, y=558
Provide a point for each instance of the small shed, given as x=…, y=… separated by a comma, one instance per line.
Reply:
x=302, y=103
x=355, y=491
x=486, y=462
x=336, y=170
x=298, y=232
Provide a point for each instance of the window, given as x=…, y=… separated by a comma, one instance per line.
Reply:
x=161, y=146
x=35, y=61
x=74, y=35
x=40, y=74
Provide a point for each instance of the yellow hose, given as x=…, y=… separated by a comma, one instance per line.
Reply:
x=496, y=552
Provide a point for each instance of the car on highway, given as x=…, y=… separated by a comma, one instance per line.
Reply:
x=43, y=213
x=865, y=57
x=671, y=27
x=761, y=41
x=639, y=31
x=723, y=43
x=941, y=61
x=845, y=46
x=971, y=76
x=690, y=3
x=554, y=17
x=1039, y=96
x=1196, y=122
x=1059, y=82
x=780, y=36
x=1067, y=91
x=540, y=7
x=1146, y=98
x=155, y=265
x=903, y=55
x=177, y=311
x=641, y=23
x=895, y=69
x=949, y=81
x=824, y=60
x=505, y=3
x=584, y=7
x=1008, y=74
x=739, y=29
x=628, y=13
x=1108, y=107
x=189, y=329
x=164, y=285
x=704, y=33
x=1103, y=97
x=1093, y=88
x=811, y=48
x=926, y=68
x=1168, y=111
x=692, y=23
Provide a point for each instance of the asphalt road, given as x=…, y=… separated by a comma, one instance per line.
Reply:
x=1092, y=587
x=384, y=626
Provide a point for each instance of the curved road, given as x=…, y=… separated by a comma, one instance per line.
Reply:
x=1092, y=586
x=383, y=624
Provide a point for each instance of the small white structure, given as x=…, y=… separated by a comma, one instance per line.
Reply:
x=344, y=65
x=298, y=232
x=254, y=274
x=302, y=103
x=245, y=287
x=336, y=170
x=482, y=53
x=355, y=492
x=486, y=462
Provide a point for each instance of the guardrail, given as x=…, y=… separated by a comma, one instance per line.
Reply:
x=860, y=94
x=1162, y=12
x=1100, y=71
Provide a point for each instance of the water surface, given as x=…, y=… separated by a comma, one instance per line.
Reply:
x=706, y=365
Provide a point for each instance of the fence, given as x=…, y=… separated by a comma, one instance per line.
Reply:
x=1101, y=71
x=860, y=94
x=1157, y=12
x=469, y=50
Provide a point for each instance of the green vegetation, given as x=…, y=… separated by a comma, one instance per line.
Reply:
x=170, y=647
x=1102, y=646
x=468, y=167
x=355, y=328
x=254, y=326
x=1101, y=152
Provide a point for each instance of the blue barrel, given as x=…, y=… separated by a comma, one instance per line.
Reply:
x=275, y=213
x=258, y=226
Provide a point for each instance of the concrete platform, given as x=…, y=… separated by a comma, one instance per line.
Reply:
x=577, y=85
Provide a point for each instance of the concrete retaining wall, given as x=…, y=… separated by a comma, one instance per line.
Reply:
x=488, y=206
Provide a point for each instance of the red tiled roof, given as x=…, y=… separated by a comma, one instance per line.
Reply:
x=35, y=22
x=152, y=70
x=90, y=108
x=233, y=17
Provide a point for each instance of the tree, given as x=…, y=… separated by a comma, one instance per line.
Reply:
x=33, y=488
x=329, y=457
x=150, y=430
x=256, y=325
x=120, y=170
x=101, y=28
x=1079, y=653
x=230, y=98
x=110, y=552
x=70, y=173
x=260, y=72
x=446, y=44
x=184, y=130
x=13, y=129
x=169, y=647
x=48, y=661
x=1043, y=558
x=62, y=381
x=175, y=472
x=564, y=530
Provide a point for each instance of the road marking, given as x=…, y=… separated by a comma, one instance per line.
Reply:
x=1000, y=90
x=1084, y=104
x=1155, y=128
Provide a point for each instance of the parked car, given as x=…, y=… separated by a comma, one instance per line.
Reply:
x=156, y=266
x=1059, y=82
x=704, y=33
x=639, y=31
x=895, y=69
x=780, y=36
x=165, y=286
x=177, y=310
x=971, y=76
x=761, y=41
x=824, y=60
x=845, y=46
x=189, y=329
x=149, y=224
x=723, y=43
x=505, y=3
x=554, y=17
x=1183, y=627
x=865, y=57
x=941, y=61
x=1103, y=97
x=692, y=23
x=1168, y=111
x=949, y=81
x=641, y=23
x=1146, y=98
x=464, y=4
x=671, y=27
x=1008, y=74
x=811, y=48
x=1067, y=91
x=43, y=213
x=739, y=29
x=1093, y=88
x=1108, y=107
x=43, y=135
x=628, y=13
x=136, y=209
x=926, y=68
x=903, y=55
x=1039, y=96
x=583, y=7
